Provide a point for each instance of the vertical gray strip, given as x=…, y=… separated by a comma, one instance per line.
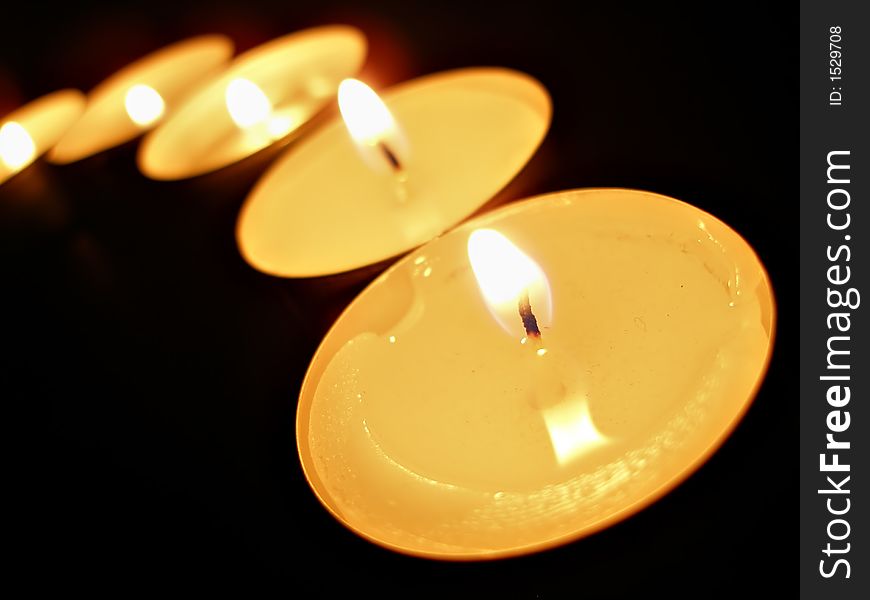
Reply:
x=834, y=299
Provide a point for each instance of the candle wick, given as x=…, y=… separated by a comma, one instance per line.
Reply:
x=390, y=156
x=529, y=321
x=398, y=170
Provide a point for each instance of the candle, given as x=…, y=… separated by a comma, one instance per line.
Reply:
x=266, y=95
x=136, y=98
x=391, y=175
x=34, y=128
x=535, y=375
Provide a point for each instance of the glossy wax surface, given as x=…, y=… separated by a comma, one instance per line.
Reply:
x=171, y=72
x=428, y=427
x=323, y=208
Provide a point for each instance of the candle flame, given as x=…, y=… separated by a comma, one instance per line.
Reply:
x=368, y=119
x=372, y=127
x=144, y=105
x=505, y=274
x=17, y=149
x=247, y=104
x=503, y=271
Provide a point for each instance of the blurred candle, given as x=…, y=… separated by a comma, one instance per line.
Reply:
x=392, y=174
x=535, y=375
x=34, y=128
x=134, y=99
x=266, y=95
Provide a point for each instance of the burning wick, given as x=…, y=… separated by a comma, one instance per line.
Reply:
x=530, y=323
x=390, y=156
x=507, y=278
x=398, y=171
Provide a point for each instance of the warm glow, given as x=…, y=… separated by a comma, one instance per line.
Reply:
x=279, y=126
x=571, y=429
x=247, y=104
x=144, y=104
x=367, y=117
x=17, y=149
x=502, y=270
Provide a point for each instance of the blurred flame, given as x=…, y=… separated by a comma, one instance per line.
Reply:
x=279, y=126
x=17, y=149
x=144, y=104
x=367, y=118
x=247, y=104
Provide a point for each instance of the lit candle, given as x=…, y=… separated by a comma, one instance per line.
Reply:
x=392, y=174
x=535, y=375
x=266, y=95
x=137, y=97
x=34, y=128
x=517, y=294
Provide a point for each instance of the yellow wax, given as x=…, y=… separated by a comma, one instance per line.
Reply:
x=136, y=98
x=322, y=208
x=290, y=78
x=425, y=425
x=28, y=132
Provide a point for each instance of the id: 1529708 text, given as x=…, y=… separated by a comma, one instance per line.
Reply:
x=835, y=65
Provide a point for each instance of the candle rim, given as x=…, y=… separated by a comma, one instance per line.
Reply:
x=262, y=52
x=532, y=91
x=67, y=106
x=221, y=45
x=240, y=67
x=45, y=102
x=686, y=470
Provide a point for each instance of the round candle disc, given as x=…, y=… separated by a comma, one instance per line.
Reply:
x=136, y=98
x=428, y=425
x=28, y=132
x=265, y=95
x=323, y=208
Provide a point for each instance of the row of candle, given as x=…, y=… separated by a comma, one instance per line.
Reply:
x=535, y=374
x=210, y=113
x=472, y=131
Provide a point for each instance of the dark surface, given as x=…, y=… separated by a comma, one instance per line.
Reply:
x=150, y=379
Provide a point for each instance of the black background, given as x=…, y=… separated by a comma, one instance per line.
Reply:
x=150, y=375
